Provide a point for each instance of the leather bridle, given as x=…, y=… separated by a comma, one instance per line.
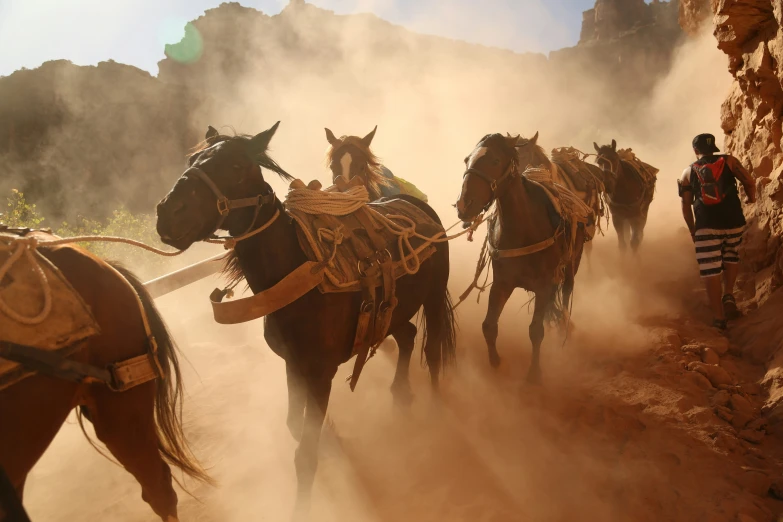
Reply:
x=225, y=205
x=494, y=184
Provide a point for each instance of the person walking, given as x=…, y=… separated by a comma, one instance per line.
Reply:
x=712, y=210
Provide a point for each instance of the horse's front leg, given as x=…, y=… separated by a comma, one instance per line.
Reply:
x=499, y=294
x=297, y=398
x=544, y=302
x=319, y=387
x=622, y=227
x=637, y=232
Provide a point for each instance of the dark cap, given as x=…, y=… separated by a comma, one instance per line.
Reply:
x=705, y=144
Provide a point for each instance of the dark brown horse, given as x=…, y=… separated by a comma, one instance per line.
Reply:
x=142, y=426
x=629, y=198
x=525, y=217
x=314, y=334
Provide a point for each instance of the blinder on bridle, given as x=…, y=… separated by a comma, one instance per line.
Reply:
x=225, y=205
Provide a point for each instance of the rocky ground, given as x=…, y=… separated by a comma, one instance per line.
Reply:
x=646, y=414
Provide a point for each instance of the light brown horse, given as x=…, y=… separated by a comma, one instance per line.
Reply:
x=525, y=217
x=629, y=198
x=141, y=427
x=351, y=156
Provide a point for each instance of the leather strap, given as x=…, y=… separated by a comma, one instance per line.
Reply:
x=225, y=205
x=293, y=286
x=119, y=377
x=523, y=251
x=365, y=327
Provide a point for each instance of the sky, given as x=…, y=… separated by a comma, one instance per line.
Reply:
x=135, y=32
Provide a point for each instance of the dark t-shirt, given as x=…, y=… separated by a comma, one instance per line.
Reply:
x=724, y=215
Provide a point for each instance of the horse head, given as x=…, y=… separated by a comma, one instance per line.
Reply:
x=351, y=156
x=607, y=158
x=223, y=188
x=492, y=161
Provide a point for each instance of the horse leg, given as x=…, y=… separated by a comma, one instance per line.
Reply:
x=544, y=302
x=637, y=232
x=306, y=460
x=622, y=227
x=498, y=297
x=125, y=422
x=405, y=336
x=297, y=397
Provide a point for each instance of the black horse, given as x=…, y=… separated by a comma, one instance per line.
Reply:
x=315, y=333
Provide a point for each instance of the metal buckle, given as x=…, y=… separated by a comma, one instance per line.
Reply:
x=368, y=263
x=367, y=306
x=222, y=206
x=383, y=255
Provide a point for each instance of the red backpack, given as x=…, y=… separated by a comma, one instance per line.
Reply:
x=714, y=179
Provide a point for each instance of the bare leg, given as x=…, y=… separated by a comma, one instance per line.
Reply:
x=730, y=272
x=125, y=423
x=498, y=297
x=306, y=459
x=401, y=386
x=297, y=397
x=544, y=301
x=714, y=294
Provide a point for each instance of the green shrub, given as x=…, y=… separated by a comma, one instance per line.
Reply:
x=122, y=223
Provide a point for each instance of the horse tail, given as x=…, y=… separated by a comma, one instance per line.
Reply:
x=172, y=443
x=439, y=332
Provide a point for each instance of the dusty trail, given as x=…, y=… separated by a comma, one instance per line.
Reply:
x=621, y=430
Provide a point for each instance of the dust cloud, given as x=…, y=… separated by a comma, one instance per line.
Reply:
x=490, y=448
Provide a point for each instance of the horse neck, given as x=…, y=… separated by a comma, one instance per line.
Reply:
x=537, y=158
x=269, y=256
x=627, y=181
x=523, y=219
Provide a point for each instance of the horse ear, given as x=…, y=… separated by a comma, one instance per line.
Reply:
x=534, y=139
x=367, y=140
x=260, y=142
x=512, y=141
x=614, y=145
x=211, y=133
x=597, y=148
x=330, y=137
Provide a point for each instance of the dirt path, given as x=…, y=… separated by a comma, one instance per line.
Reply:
x=622, y=430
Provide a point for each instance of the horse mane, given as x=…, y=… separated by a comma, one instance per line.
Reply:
x=375, y=177
x=261, y=157
x=539, y=156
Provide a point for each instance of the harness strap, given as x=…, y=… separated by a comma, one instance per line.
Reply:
x=118, y=377
x=225, y=205
x=293, y=286
x=526, y=250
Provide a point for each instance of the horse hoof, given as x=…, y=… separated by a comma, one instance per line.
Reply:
x=494, y=360
x=534, y=377
x=402, y=396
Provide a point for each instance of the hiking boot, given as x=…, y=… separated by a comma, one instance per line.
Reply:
x=730, y=307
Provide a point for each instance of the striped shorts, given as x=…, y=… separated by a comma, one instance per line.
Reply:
x=717, y=247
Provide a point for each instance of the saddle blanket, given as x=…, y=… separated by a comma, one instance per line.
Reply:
x=23, y=291
x=318, y=233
